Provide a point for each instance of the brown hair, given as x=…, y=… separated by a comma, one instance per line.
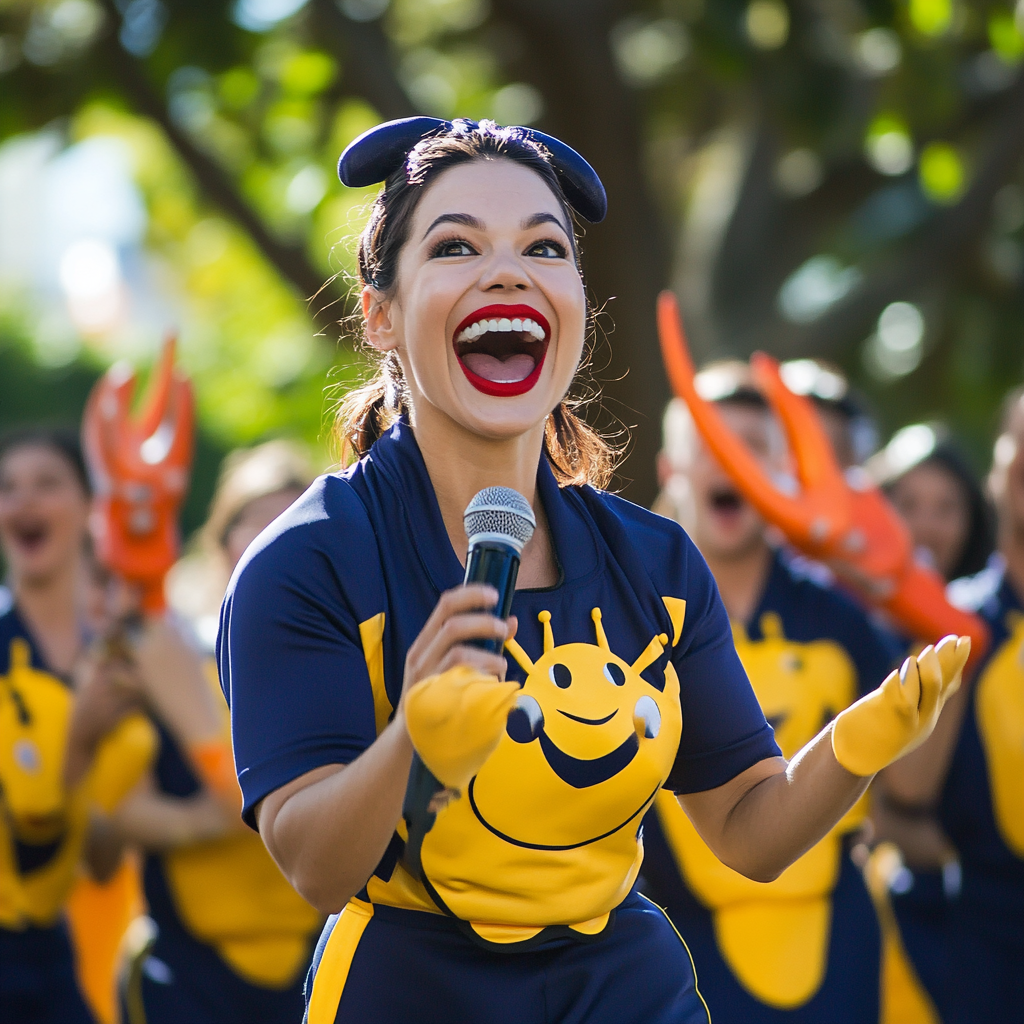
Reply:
x=578, y=454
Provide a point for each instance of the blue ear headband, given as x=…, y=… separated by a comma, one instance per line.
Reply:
x=377, y=153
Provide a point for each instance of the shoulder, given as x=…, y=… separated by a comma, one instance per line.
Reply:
x=980, y=593
x=662, y=544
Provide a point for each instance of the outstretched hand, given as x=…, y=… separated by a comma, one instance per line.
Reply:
x=900, y=715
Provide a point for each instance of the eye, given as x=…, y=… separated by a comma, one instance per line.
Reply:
x=452, y=247
x=525, y=720
x=647, y=717
x=548, y=249
x=560, y=676
x=614, y=674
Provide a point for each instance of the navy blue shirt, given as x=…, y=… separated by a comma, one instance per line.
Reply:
x=811, y=607
x=966, y=808
x=320, y=614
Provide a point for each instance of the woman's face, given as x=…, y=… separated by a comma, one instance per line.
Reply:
x=489, y=312
x=43, y=513
x=932, y=503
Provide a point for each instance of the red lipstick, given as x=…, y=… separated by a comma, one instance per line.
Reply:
x=494, y=349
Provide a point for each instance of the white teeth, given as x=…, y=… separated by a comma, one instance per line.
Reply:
x=504, y=325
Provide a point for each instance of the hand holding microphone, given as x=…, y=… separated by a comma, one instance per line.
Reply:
x=456, y=717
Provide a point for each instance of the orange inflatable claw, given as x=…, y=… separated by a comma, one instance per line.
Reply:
x=841, y=519
x=140, y=471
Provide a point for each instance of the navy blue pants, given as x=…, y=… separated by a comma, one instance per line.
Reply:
x=967, y=948
x=849, y=992
x=37, y=978
x=413, y=966
x=184, y=981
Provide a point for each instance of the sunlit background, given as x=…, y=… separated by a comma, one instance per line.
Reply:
x=832, y=178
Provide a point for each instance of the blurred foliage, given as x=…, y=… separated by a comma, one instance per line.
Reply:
x=791, y=168
x=55, y=396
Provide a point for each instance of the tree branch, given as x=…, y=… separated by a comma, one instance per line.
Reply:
x=290, y=261
x=942, y=247
x=367, y=61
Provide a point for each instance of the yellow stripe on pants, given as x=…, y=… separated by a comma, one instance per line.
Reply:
x=332, y=973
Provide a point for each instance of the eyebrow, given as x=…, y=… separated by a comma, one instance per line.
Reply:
x=543, y=218
x=465, y=219
x=469, y=221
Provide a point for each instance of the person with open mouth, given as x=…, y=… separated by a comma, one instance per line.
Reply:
x=57, y=705
x=345, y=633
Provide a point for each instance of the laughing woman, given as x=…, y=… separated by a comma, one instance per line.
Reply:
x=344, y=640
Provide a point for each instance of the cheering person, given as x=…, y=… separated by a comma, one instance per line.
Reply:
x=232, y=939
x=60, y=703
x=343, y=643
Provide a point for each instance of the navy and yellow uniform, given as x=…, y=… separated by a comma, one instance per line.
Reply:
x=233, y=939
x=804, y=948
x=966, y=941
x=43, y=826
x=630, y=682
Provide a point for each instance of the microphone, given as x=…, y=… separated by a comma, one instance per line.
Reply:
x=499, y=523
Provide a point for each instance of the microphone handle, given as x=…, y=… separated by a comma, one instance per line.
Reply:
x=497, y=563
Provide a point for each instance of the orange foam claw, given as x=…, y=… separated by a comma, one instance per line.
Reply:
x=841, y=519
x=140, y=471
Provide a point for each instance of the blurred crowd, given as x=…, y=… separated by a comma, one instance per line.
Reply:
x=130, y=890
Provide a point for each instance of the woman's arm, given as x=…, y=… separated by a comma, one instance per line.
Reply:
x=766, y=817
x=329, y=828
x=759, y=822
x=154, y=821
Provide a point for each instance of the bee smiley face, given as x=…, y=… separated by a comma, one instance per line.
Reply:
x=586, y=748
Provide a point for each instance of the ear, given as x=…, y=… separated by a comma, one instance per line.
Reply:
x=377, y=309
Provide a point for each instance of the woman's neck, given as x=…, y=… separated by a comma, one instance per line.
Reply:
x=49, y=607
x=741, y=579
x=461, y=463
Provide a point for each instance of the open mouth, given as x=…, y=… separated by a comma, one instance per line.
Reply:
x=726, y=501
x=501, y=348
x=30, y=536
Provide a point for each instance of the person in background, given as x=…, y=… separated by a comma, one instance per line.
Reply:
x=933, y=487
x=62, y=702
x=961, y=795
x=232, y=939
x=806, y=947
x=844, y=412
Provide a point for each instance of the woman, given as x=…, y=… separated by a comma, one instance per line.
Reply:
x=957, y=804
x=232, y=939
x=344, y=639
x=804, y=948
x=58, y=702
x=939, y=497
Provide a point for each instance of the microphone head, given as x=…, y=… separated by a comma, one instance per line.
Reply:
x=500, y=513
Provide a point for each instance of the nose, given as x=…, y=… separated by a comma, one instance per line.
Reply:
x=504, y=273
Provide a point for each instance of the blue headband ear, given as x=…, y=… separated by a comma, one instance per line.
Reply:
x=377, y=153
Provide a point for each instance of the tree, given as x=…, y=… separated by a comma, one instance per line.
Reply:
x=793, y=169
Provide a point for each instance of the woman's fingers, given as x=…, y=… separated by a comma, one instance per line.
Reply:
x=475, y=597
x=461, y=615
x=458, y=630
x=910, y=684
x=472, y=657
x=930, y=673
x=953, y=652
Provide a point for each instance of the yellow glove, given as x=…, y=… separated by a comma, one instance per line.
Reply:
x=123, y=756
x=455, y=721
x=900, y=715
